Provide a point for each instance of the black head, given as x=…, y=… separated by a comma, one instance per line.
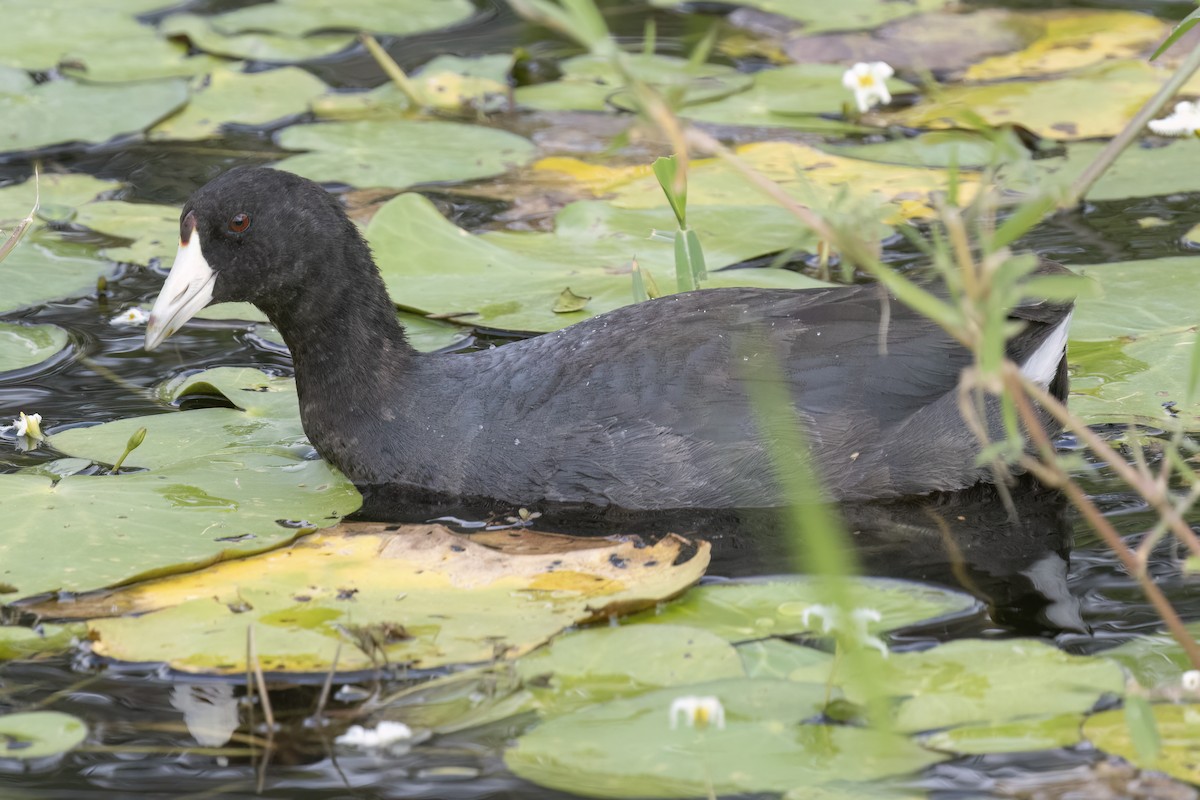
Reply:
x=257, y=235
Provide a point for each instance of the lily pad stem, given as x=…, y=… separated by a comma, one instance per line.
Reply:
x=1109, y=154
x=392, y=70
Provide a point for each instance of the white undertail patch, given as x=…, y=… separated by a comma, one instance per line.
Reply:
x=1042, y=364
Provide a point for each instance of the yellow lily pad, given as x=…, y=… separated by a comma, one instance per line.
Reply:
x=417, y=595
x=1073, y=39
x=1179, y=755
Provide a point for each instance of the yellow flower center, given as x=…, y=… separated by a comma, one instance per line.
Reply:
x=866, y=81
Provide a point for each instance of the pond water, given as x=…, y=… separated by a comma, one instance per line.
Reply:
x=1049, y=576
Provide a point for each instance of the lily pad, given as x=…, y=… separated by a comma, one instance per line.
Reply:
x=63, y=111
x=743, y=611
x=64, y=190
x=153, y=229
x=266, y=420
x=627, y=747
x=401, y=153
x=57, y=31
x=447, y=83
x=1141, y=171
x=417, y=595
x=1156, y=661
x=780, y=660
x=512, y=281
x=1131, y=348
x=226, y=97
x=789, y=97
x=845, y=15
x=39, y=734
x=987, y=681
x=34, y=273
x=85, y=532
x=16, y=642
x=1018, y=736
x=1180, y=753
x=1073, y=39
x=1086, y=104
x=593, y=83
x=147, y=58
x=253, y=46
x=301, y=17
x=23, y=346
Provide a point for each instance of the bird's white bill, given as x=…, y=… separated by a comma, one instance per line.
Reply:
x=188, y=288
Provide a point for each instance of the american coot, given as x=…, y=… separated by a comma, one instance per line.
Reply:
x=641, y=408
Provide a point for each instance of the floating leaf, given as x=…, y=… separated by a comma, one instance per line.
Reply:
x=23, y=346
x=146, y=58
x=979, y=680
x=777, y=659
x=253, y=46
x=39, y=734
x=16, y=642
x=417, y=595
x=1140, y=171
x=301, y=17
x=154, y=229
x=1017, y=736
x=226, y=97
x=791, y=97
x=844, y=15
x=627, y=748
x=34, y=273
x=447, y=82
x=1179, y=756
x=742, y=611
x=401, y=153
x=57, y=112
x=56, y=31
x=57, y=190
x=1131, y=347
x=1073, y=39
x=593, y=83
x=511, y=280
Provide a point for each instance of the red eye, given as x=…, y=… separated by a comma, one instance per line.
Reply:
x=239, y=222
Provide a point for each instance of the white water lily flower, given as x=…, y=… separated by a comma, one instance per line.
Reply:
x=29, y=426
x=869, y=83
x=697, y=712
x=384, y=734
x=1184, y=121
x=130, y=317
x=853, y=629
x=1191, y=680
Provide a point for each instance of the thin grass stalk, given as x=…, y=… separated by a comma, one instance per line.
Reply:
x=1016, y=384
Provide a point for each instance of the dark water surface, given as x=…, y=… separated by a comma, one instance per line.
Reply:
x=1047, y=576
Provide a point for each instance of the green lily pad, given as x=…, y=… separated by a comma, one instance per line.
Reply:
x=780, y=660
x=963, y=149
x=300, y=17
x=23, y=346
x=511, y=281
x=253, y=46
x=627, y=747
x=34, y=273
x=790, y=97
x=267, y=419
x=418, y=595
x=16, y=642
x=56, y=190
x=1180, y=753
x=153, y=229
x=39, y=734
x=445, y=83
x=63, y=111
x=1155, y=661
x=1131, y=348
x=988, y=681
x=58, y=31
x=842, y=16
x=1140, y=171
x=398, y=154
x=592, y=83
x=86, y=532
x=1017, y=736
x=742, y=611
x=226, y=97
x=147, y=58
